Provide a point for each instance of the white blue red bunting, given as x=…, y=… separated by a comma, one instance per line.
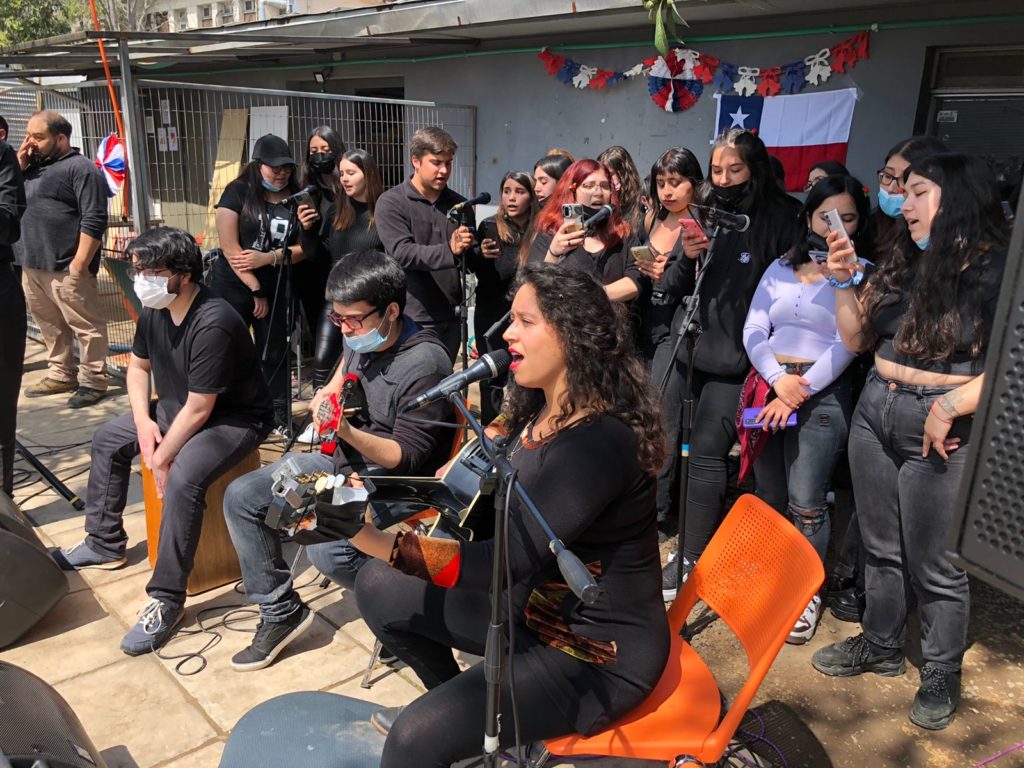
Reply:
x=110, y=160
x=675, y=81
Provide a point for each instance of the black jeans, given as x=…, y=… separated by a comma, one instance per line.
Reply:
x=270, y=332
x=905, y=507
x=714, y=433
x=12, y=361
x=421, y=623
x=207, y=455
x=795, y=468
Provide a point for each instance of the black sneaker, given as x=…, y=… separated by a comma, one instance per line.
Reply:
x=271, y=638
x=936, y=699
x=857, y=655
x=847, y=605
x=669, y=577
x=86, y=396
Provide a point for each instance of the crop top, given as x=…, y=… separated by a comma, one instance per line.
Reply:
x=888, y=317
x=794, y=319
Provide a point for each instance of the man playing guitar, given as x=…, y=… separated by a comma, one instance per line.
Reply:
x=393, y=360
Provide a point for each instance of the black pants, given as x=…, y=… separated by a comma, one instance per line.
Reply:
x=328, y=344
x=12, y=361
x=309, y=285
x=270, y=332
x=207, y=455
x=657, y=340
x=421, y=623
x=714, y=433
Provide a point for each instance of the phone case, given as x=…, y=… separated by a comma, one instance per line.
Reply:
x=835, y=222
x=750, y=418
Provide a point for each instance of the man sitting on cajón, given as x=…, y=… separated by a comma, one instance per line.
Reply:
x=395, y=360
x=213, y=410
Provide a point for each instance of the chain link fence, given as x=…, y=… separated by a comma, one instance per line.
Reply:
x=188, y=162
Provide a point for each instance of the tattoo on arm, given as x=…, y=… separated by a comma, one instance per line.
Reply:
x=949, y=402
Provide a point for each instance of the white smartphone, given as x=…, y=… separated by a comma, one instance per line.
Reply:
x=835, y=222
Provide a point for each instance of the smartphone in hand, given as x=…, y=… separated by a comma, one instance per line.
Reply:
x=642, y=253
x=573, y=212
x=487, y=230
x=750, y=418
x=692, y=227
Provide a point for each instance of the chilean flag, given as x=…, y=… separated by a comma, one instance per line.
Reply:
x=800, y=130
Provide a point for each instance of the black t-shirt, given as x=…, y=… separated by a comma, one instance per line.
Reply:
x=606, y=266
x=259, y=233
x=211, y=352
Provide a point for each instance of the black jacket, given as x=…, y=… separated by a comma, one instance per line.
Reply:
x=12, y=201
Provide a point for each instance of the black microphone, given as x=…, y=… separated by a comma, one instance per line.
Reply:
x=717, y=217
x=487, y=367
x=310, y=190
x=482, y=199
x=603, y=213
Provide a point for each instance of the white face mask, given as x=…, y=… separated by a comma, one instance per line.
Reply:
x=152, y=291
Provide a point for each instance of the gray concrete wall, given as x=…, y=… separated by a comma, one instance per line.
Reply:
x=521, y=111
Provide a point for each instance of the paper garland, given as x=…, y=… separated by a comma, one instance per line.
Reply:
x=675, y=81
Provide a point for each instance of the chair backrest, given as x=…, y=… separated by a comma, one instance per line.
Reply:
x=758, y=574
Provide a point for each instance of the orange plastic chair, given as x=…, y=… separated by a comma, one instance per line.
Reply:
x=758, y=574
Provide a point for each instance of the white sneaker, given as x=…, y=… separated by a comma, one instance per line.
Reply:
x=805, y=626
x=310, y=435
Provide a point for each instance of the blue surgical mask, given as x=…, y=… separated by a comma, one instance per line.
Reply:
x=368, y=342
x=272, y=187
x=924, y=243
x=891, y=205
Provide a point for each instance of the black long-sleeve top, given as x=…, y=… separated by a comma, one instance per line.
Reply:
x=593, y=493
x=12, y=201
x=65, y=198
x=493, y=280
x=606, y=266
x=416, y=233
x=730, y=279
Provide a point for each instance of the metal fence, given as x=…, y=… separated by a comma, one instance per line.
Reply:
x=181, y=124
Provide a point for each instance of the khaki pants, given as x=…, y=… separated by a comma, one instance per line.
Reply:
x=66, y=307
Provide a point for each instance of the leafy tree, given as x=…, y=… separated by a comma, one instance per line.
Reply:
x=24, y=20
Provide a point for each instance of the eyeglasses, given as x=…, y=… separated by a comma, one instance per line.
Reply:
x=886, y=179
x=590, y=186
x=352, y=322
x=134, y=272
x=280, y=169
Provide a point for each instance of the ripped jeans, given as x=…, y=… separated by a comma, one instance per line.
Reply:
x=795, y=468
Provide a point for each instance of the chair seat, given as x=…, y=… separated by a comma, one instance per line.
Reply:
x=681, y=712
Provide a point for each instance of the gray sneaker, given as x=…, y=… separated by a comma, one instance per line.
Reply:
x=271, y=638
x=154, y=628
x=82, y=556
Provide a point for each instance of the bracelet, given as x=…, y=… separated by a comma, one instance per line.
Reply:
x=855, y=279
x=949, y=409
x=935, y=413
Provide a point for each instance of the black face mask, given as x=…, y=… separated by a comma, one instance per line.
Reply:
x=731, y=198
x=323, y=163
x=589, y=210
x=816, y=242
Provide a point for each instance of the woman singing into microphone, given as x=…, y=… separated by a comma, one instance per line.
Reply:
x=586, y=441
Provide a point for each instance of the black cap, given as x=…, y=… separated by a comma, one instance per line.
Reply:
x=272, y=150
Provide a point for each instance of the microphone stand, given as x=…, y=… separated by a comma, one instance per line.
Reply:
x=577, y=577
x=286, y=273
x=689, y=330
x=460, y=217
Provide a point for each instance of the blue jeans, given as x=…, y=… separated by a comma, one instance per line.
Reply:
x=795, y=468
x=266, y=575
x=905, y=507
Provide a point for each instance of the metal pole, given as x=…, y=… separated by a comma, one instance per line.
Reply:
x=135, y=141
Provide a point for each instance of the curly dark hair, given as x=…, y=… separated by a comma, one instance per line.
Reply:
x=947, y=292
x=604, y=373
x=830, y=186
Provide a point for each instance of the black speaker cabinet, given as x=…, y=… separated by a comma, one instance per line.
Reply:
x=987, y=538
x=30, y=582
x=37, y=727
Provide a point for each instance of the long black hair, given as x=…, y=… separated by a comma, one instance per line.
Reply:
x=765, y=201
x=678, y=160
x=255, y=206
x=604, y=374
x=824, y=188
x=337, y=146
x=946, y=298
